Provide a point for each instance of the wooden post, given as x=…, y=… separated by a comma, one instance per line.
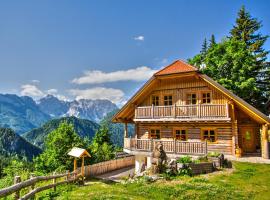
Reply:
x=265, y=145
x=126, y=130
x=174, y=110
x=54, y=181
x=152, y=111
x=82, y=170
x=32, y=175
x=75, y=164
x=17, y=179
x=67, y=177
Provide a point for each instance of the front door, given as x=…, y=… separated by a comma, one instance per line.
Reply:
x=248, y=139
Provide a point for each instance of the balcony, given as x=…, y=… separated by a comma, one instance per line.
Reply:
x=133, y=145
x=197, y=112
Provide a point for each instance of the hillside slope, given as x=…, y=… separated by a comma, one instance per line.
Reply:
x=83, y=127
x=13, y=144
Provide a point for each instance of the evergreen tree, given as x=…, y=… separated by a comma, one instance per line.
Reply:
x=212, y=41
x=57, y=145
x=204, y=47
x=239, y=62
x=247, y=29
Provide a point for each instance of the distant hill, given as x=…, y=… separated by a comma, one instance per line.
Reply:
x=93, y=110
x=83, y=127
x=13, y=144
x=116, y=129
x=20, y=113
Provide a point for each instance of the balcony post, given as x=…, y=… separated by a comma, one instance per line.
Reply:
x=174, y=141
x=152, y=111
x=199, y=110
x=206, y=150
x=227, y=110
x=126, y=130
x=174, y=110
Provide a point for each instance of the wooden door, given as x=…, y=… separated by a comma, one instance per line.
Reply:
x=248, y=139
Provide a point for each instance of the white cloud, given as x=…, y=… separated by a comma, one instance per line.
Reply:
x=94, y=77
x=139, y=38
x=35, y=81
x=114, y=95
x=52, y=91
x=31, y=90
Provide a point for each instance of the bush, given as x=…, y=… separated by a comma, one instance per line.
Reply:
x=213, y=154
x=184, y=160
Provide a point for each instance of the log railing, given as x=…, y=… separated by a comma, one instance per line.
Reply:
x=184, y=112
x=30, y=183
x=169, y=146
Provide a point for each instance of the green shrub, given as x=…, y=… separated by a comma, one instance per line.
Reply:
x=184, y=160
x=213, y=154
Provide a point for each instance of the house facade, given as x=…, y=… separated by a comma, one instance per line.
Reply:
x=191, y=114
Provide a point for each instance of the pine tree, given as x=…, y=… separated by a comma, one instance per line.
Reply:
x=204, y=47
x=212, y=41
x=247, y=29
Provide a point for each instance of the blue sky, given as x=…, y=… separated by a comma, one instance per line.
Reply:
x=89, y=49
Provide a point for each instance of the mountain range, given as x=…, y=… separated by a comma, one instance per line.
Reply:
x=23, y=114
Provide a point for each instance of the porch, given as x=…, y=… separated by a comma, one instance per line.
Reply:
x=194, y=112
x=169, y=146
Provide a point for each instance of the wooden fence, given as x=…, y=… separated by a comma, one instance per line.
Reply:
x=30, y=183
x=108, y=166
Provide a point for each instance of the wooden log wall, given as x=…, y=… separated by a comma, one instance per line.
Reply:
x=178, y=88
x=223, y=132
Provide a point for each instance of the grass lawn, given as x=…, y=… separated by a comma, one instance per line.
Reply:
x=247, y=181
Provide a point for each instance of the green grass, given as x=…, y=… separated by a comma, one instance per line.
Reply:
x=247, y=181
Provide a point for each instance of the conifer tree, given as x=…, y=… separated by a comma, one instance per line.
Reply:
x=212, y=41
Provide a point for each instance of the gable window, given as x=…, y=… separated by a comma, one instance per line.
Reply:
x=167, y=100
x=155, y=133
x=181, y=134
x=191, y=98
x=209, y=135
x=206, y=97
x=155, y=100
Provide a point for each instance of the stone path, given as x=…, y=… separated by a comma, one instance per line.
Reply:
x=117, y=175
x=251, y=159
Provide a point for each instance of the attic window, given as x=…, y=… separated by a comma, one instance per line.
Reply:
x=192, y=98
x=155, y=100
x=168, y=100
x=206, y=97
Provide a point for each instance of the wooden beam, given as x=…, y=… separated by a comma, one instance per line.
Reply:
x=265, y=144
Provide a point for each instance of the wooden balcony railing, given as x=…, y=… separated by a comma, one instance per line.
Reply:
x=184, y=112
x=169, y=146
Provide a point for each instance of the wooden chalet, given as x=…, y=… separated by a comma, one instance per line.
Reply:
x=191, y=114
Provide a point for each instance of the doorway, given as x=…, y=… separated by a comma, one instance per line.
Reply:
x=248, y=139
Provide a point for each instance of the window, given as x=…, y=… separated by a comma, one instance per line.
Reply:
x=191, y=98
x=206, y=97
x=155, y=134
x=155, y=100
x=209, y=135
x=181, y=135
x=168, y=100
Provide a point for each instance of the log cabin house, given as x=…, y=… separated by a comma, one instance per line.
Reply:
x=191, y=114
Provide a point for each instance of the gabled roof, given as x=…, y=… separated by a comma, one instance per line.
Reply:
x=178, y=66
x=78, y=152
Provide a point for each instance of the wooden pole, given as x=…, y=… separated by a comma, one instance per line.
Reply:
x=32, y=187
x=265, y=145
x=17, y=179
x=54, y=181
x=126, y=130
x=75, y=165
x=82, y=170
